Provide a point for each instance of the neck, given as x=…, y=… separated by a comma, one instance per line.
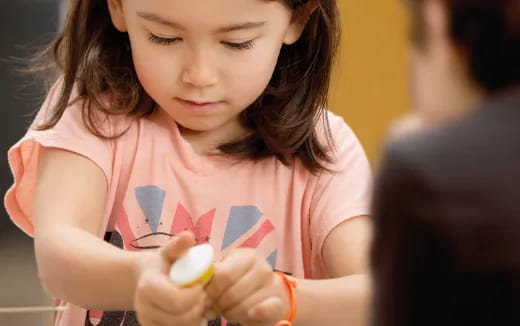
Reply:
x=461, y=96
x=207, y=142
x=466, y=97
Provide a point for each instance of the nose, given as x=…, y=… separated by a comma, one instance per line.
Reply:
x=199, y=70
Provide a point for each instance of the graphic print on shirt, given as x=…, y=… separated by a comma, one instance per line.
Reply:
x=246, y=227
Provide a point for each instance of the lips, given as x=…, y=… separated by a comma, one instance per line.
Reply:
x=198, y=106
x=199, y=103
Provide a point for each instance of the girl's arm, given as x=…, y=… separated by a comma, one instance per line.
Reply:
x=74, y=264
x=245, y=289
x=345, y=299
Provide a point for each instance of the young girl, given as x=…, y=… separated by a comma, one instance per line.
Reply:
x=203, y=116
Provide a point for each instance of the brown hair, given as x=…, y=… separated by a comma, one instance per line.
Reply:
x=487, y=32
x=93, y=59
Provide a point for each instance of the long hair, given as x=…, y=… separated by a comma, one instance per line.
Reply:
x=94, y=59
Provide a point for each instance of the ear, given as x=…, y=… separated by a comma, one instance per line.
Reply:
x=116, y=13
x=300, y=18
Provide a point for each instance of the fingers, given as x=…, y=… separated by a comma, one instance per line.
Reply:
x=157, y=290
x=228, y=271
x=260, y=305
x=258, y=276
x=159, y=302
x=267, y=308
x=241, y=286
x=152, y=316
x=243, y=289
x=178, y=246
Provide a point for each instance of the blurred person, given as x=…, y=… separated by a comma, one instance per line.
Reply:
x=446, y=247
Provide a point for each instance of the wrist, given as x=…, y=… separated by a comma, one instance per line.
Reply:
x=140, y=262
x=283, y=294
x=287, y=285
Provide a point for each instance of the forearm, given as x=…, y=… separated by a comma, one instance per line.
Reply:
x=80, y=268
x=341, y=301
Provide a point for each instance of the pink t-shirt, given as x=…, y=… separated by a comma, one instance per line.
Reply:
x=159, y=186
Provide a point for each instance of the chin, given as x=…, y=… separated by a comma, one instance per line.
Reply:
x=195, y=126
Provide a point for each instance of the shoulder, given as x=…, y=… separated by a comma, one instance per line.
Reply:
x=419, y=156
x=458, y=151
x=341, y=142
x=441, y=158
x=338, y=128
x=81, y=116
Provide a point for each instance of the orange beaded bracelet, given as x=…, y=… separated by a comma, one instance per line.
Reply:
x=291, y=286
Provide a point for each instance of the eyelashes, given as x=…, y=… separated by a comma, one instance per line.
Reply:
x=240, y=46
x=162, y=40
x=172, y=40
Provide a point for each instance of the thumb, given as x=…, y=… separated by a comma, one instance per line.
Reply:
x=178, y=246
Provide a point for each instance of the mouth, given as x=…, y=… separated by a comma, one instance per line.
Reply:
x=201, y=103
x=198, y=106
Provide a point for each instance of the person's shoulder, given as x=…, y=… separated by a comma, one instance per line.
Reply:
x=419, y=152
x=334, y=132
x=341, y=144
x=80, y=116
x=488, y=130
x=456, y=151
x=336, y=124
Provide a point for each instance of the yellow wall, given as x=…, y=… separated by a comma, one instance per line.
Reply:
x=370, y=84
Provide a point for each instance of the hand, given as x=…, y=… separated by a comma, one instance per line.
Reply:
x=157, y=300
x=245, y=289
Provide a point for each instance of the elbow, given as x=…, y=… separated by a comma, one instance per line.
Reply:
x=47, y=268
x=48, y=278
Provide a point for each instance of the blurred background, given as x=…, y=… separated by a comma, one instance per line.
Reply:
x=25, y=25
x=369, y=91
x=370, y=86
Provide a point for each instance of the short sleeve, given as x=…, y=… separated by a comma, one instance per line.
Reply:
x=341, y=194
x=69, y=134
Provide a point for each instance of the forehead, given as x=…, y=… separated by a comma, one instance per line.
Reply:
x=204, y=12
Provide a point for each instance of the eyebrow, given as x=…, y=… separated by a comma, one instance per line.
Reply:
x=226, y=29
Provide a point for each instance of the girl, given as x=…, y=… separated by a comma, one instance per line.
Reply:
x=205, y=116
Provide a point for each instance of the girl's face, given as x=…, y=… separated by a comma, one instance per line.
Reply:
x=205, y=61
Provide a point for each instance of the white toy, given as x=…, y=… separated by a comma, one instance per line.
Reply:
x=196, y=266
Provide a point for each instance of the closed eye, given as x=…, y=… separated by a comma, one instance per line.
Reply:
x=163, y=40
x=240, y=46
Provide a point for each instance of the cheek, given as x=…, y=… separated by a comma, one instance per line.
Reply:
x=154, y=72
x=251, y=77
